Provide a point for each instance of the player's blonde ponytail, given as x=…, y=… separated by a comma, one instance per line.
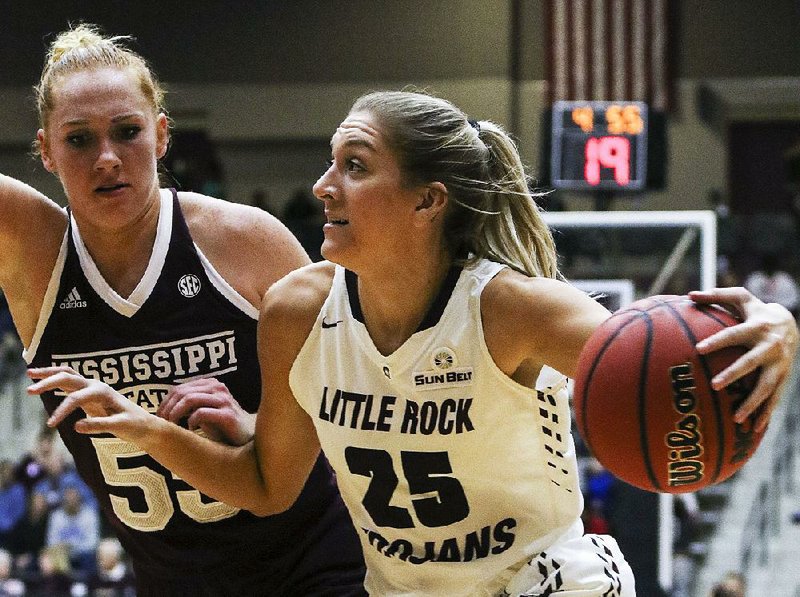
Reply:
x=492, y=212
x=516, y=234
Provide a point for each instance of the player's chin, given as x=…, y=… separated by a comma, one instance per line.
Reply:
x=333, y=249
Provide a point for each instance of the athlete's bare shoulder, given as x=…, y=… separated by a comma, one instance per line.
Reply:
x=29, y=220
x=539, y=320
x=303, y=291
x=292, y=304
x=31, y=230
x=250, y=248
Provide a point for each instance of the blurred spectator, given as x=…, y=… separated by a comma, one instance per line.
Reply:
x=773, y=285
x=77, y=526
x=12, y=501
x=113, y=576
x=304, y=216
x=594, y=518
x=731, y=585
x=60, y=474
x=598, y=482
x=54, y=575
x=596, y=486
x=30, y=468
x=29, y=536
x=10, y=586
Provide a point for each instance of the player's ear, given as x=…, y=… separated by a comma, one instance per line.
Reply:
x=162, y=135
x=44, y=152
x=432, y=201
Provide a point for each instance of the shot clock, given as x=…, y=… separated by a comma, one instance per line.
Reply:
x=599, y=145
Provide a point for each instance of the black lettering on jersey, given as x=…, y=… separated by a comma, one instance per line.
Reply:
x=377, y=540
x=400, y=549
x=354, y=410
x=449, y=551
x=503, y=535
x=446, y=417
x=438, y=380
x=476, y=545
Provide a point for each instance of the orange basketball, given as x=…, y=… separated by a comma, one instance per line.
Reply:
x=644, y=403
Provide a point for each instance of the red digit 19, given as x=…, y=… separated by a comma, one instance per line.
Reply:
x=607, y=152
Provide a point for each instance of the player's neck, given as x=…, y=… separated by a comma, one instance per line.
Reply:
x=394, y=305
x=121, y=257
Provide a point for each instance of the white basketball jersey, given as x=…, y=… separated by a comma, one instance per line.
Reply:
x=452, y=471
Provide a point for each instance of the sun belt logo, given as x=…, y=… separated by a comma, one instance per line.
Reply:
x=444, y=372
x=189, y=285
x=443, y=358
x=73, y=300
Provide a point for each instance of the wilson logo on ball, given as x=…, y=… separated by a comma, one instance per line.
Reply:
x=644, y=402
x=685, y=441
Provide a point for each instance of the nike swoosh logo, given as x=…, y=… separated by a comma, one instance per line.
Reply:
x=326, y=325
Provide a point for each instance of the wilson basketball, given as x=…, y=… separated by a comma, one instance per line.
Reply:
x=644, y=403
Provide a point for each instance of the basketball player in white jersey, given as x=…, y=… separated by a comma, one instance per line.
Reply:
x=427, y=359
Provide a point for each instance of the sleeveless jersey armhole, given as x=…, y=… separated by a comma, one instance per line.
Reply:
x=225, y=289
x=49, y=301
x=548, y=380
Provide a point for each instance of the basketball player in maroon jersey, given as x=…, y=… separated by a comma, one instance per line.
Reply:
x=145, y=288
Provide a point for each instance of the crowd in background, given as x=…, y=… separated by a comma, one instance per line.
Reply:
x=52, y=537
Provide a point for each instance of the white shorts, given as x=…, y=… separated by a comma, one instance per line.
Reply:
x=583, y=566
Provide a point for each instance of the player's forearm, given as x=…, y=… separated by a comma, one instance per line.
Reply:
x=226, y=473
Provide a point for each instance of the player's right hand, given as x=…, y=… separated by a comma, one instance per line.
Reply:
x=107, y=411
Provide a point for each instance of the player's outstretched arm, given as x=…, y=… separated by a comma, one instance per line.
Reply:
x=770, y=333
x=264, y=476
x=206, y=465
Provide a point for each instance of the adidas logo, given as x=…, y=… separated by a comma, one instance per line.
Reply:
x=72, y=301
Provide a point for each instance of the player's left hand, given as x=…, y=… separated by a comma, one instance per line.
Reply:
x=770, y=333
x=207, y=405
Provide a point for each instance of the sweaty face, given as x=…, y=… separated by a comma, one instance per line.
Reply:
x=103, y=140
x=368, y=207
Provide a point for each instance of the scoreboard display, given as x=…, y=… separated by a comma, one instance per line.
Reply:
x=599, y=145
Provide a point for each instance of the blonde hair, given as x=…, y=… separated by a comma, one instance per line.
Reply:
x=492, y=211
x=82, y=47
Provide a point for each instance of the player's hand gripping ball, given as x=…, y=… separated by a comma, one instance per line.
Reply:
x=644, y=403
